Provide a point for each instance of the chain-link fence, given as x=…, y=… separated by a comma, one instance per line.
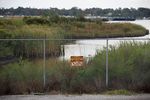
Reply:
x=73, y=65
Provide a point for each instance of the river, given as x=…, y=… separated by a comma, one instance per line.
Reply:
x=89, y=48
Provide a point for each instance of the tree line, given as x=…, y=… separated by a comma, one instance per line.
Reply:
x=74, y=11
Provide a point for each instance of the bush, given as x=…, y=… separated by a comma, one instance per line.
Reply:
x=128, y=70
x=35, y=20
x=79, y=24
x=4, y=34
x=119, y=92
x=5, y=22
x=128, y=66
x=81, y=18
x=21, y=78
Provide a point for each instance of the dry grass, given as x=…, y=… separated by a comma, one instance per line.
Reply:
x=95, y=30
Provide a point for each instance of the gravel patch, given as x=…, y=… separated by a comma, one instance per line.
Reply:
x=75, y=97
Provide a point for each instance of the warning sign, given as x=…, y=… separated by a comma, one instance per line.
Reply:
x=76, y=60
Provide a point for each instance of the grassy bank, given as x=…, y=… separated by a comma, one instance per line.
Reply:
x=57, y=28
x=66, y=28
x=128, y=70
x=105, y=30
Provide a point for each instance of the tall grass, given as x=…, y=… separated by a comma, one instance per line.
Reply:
x=128, y=69
x=95, y=30
x=68, y=28
x=128, y=66
x=63, y=28
x=16, y=28
x=21, y=78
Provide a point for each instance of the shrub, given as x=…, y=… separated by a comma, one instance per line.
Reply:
x=35, y=20
x=119, y=92
x=79, y=25
x=4, y=34
x=19, y=78
x=128, y=66
x=128, y=70
x=5, y=22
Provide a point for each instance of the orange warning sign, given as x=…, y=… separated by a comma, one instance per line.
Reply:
x=76, y=60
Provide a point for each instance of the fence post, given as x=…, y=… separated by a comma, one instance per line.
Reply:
x=107, y=63
x=44, y=74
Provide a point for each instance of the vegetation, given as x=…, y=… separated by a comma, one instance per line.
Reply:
x=128, y=71
x=104, y=30
x=54, y=27
x=17, y=28
x=18, y=77
x=120, y=12
x=119, y=92
x=128, y=66
x=21, y=77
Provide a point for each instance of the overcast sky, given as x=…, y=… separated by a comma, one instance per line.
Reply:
x=75, y=3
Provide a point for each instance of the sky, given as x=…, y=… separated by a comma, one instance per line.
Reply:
x=83, y=4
